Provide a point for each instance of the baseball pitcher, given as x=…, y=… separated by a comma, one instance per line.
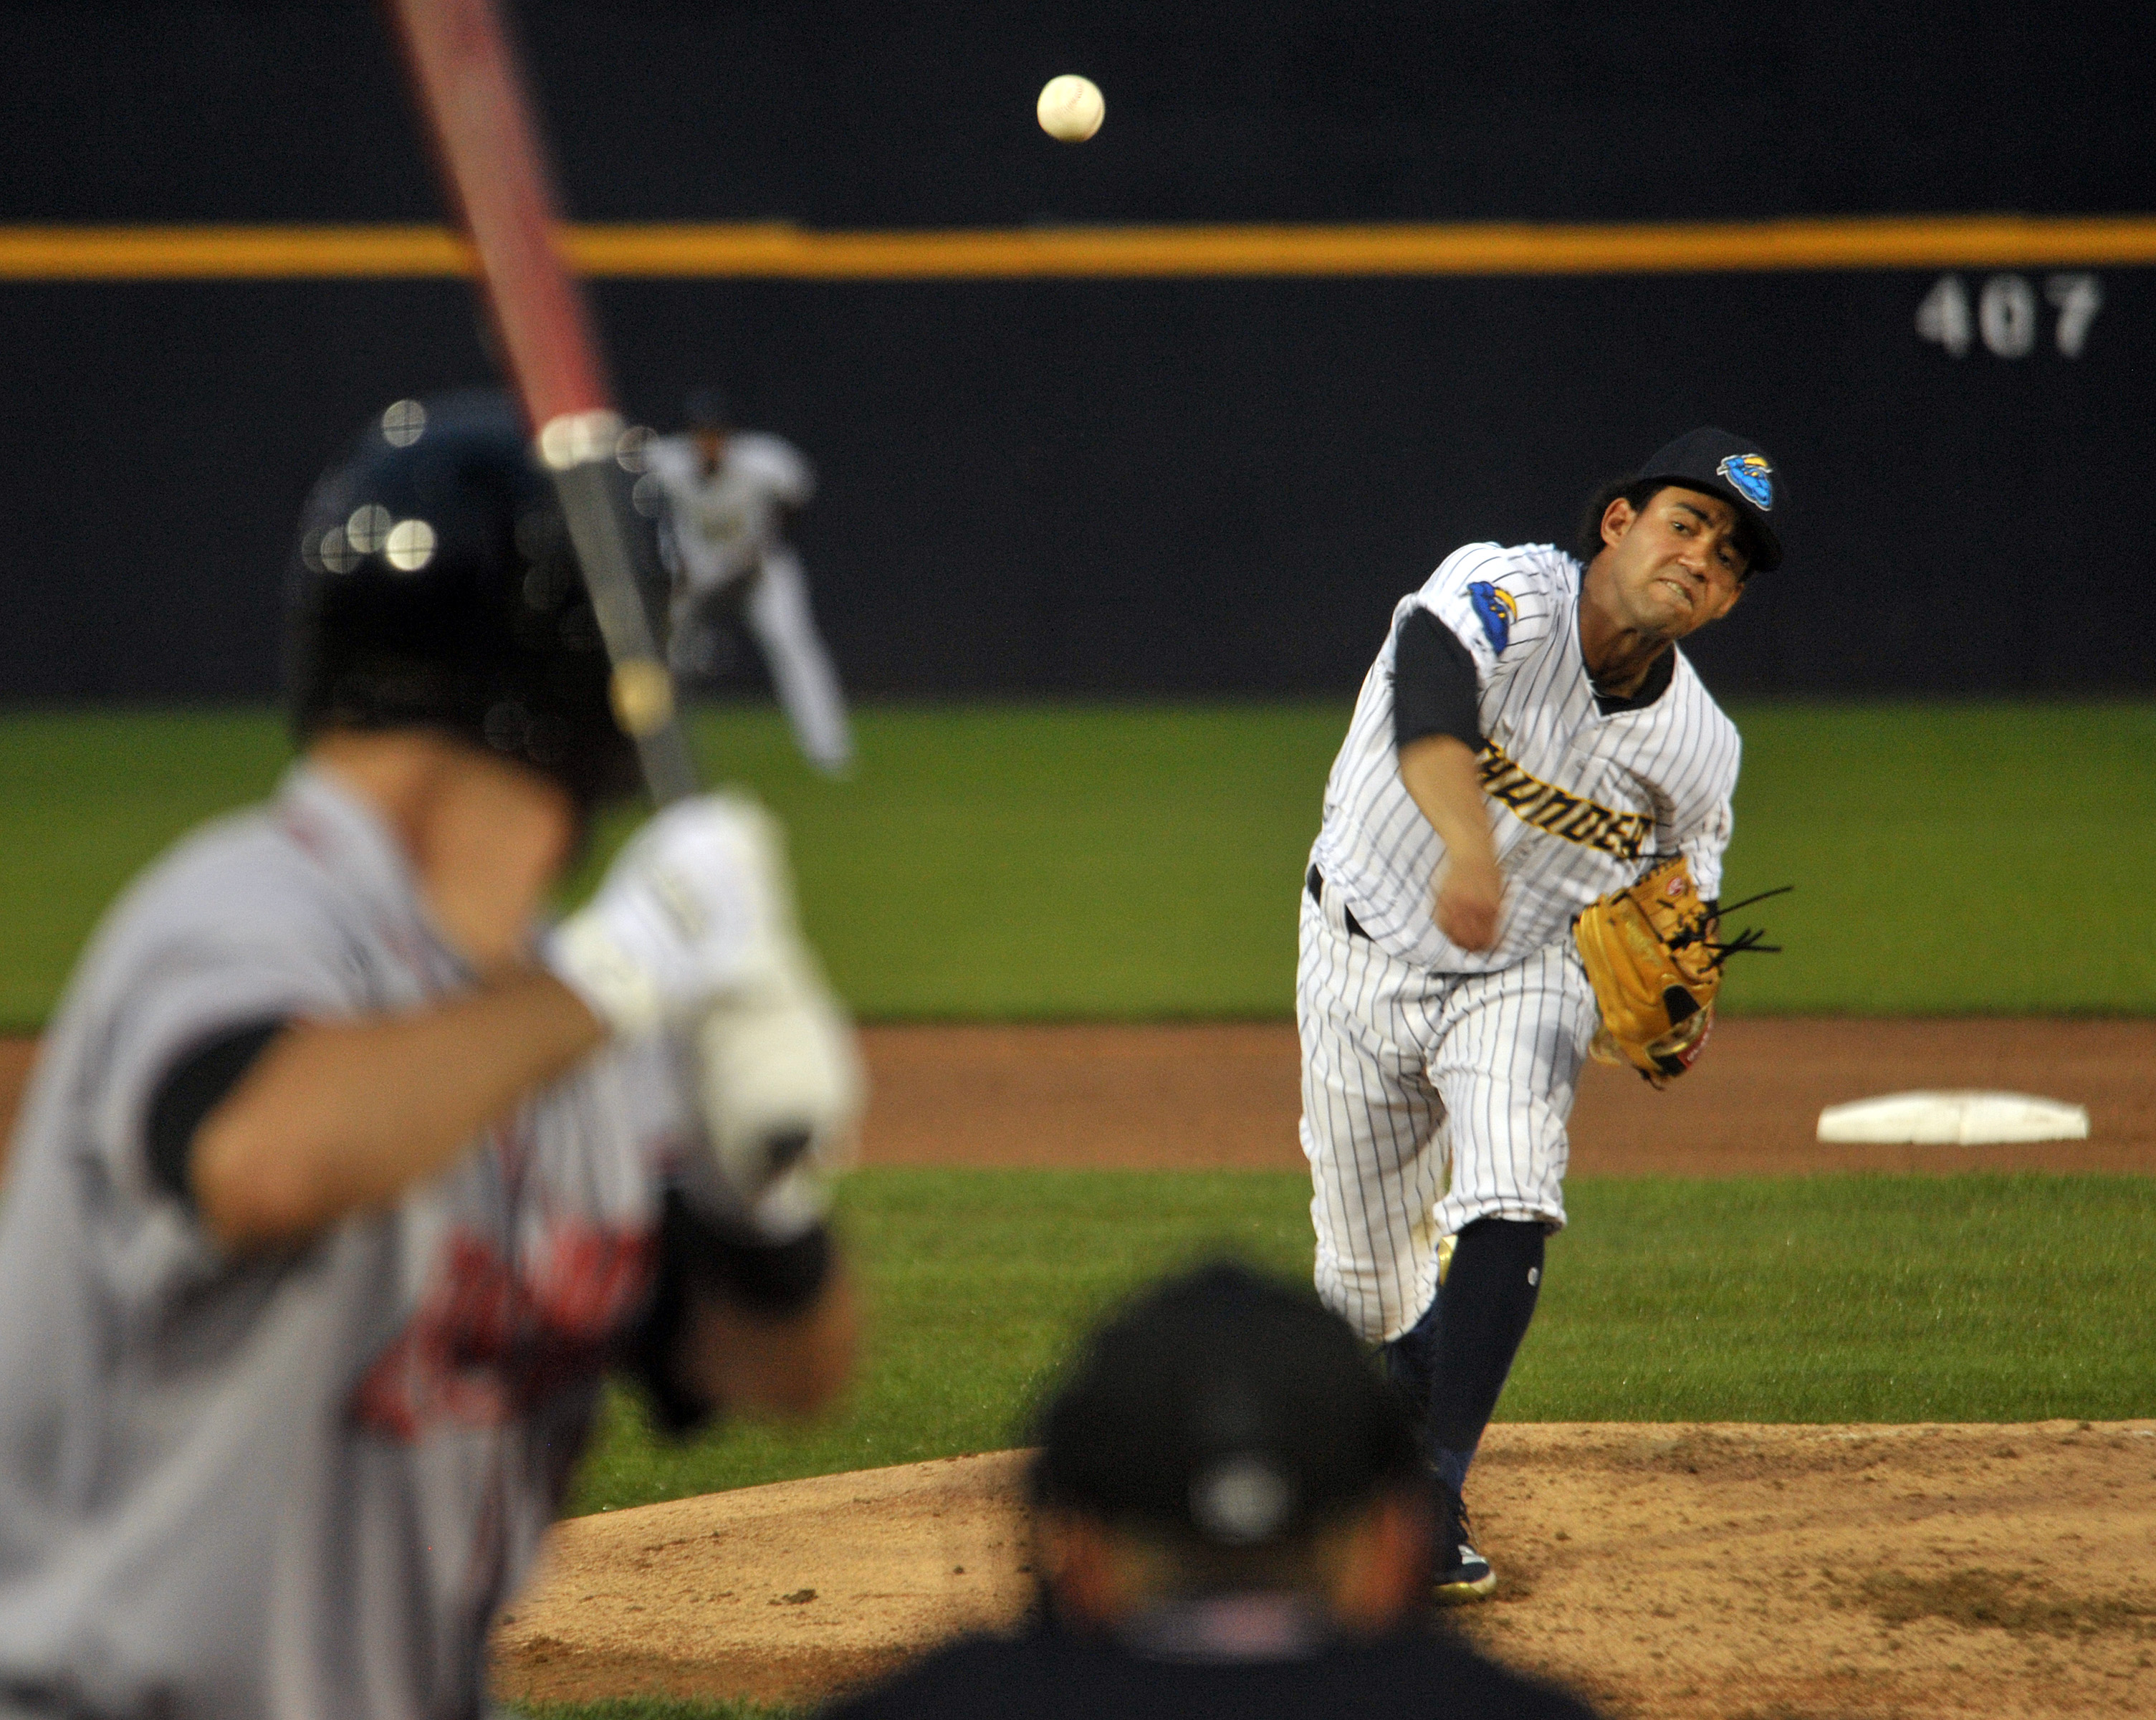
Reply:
x=1530, y=749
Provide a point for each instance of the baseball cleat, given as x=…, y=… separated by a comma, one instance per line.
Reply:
x=1463, y=1574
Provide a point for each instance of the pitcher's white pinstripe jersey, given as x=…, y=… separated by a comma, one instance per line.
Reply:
x=1581, y=798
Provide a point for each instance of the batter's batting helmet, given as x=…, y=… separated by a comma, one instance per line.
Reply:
x=435, y=587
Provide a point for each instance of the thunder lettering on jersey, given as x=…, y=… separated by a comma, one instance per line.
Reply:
x=1581, y=797
x=1549, y=808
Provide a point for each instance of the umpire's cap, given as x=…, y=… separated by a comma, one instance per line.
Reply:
x=1739, y=471
x=1225, y=1406
x=435, y=587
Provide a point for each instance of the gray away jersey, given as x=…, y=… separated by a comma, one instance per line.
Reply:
x=1578, y=799
x=296, y=1486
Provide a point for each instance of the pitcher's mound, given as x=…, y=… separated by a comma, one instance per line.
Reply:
x=1686, y=1570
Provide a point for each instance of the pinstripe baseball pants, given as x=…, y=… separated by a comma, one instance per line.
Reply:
x=1429, y=1100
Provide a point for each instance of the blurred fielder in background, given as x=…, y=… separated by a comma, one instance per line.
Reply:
x=339, y=1186
x=726, y=496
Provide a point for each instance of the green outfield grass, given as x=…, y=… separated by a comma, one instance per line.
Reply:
x=1142, y=861
x=1135, y=862
x=1827, y=1299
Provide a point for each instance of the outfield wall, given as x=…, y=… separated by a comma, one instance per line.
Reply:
x=1173, y=484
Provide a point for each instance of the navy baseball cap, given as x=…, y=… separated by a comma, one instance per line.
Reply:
x=1739, y=471
x=707, y=409
x=1225, y=1406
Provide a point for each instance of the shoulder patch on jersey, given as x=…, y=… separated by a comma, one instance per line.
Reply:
x=1495, y=609
x=1750, y=477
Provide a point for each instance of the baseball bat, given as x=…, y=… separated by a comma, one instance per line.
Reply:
x=488, y=149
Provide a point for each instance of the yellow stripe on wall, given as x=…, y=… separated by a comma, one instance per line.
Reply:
x=228, y=253
x=777, y=251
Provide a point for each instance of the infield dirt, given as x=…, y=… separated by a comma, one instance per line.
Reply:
x=1752, y=1573
x=1743, y=1573
x=1225, y=1095
x=1765, y=1573
x=1216, y=1096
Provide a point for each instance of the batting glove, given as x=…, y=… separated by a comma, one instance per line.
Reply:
x=780, y=1089
x=696, y=907
x=694, y=929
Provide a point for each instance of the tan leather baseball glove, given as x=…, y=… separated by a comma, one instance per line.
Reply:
x=1652, y=954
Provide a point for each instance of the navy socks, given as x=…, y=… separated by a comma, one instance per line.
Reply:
x=1452, y=1363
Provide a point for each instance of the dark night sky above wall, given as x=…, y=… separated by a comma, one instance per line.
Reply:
x=1140, y=486
x=851, y=115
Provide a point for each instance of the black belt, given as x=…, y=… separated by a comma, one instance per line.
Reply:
x=1315, y=883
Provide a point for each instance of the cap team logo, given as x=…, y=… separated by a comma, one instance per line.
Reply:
x=1750, y=477
x=1495, y=609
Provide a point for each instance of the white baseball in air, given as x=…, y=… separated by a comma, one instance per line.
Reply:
x=1071, y=108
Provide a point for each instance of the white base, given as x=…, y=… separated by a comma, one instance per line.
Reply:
x=1953, y=1119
